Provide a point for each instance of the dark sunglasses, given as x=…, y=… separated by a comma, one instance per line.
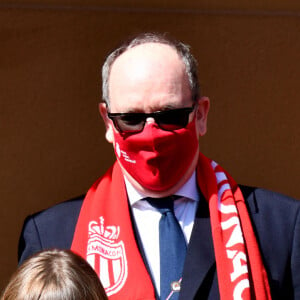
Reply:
x=169, y=120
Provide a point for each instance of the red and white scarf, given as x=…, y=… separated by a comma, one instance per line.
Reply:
x=104, y=236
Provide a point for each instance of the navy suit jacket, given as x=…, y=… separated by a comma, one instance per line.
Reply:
x=276, y=223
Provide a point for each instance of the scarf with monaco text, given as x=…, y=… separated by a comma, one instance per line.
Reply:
x=104, y=236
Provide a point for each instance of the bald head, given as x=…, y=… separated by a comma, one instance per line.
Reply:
x=145, y=76
x=182, y=50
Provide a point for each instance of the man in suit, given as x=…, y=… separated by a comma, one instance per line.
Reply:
x=165, y=222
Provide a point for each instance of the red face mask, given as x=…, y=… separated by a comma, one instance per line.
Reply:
x=157, y=159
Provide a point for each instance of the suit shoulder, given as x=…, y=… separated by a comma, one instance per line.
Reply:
x=62, y=211
x=276, y=222
x=271, y=204
x=50, y=228
x=54, y=223
x=265, y=195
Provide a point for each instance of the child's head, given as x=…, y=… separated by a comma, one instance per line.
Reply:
x=54, y=275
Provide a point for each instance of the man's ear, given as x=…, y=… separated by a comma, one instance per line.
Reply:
x=109, y=135
x=201, y=115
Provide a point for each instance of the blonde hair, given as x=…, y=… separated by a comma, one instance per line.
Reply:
x=54, y=275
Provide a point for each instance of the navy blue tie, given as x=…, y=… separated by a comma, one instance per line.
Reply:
x=172, y=248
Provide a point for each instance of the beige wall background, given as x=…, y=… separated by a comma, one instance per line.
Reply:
x=52, y=143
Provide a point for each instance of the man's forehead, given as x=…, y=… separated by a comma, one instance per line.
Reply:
x=146, y=62
x=147, y=52
x=148, y=77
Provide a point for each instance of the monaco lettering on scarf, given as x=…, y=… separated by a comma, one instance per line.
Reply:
x=104, y=236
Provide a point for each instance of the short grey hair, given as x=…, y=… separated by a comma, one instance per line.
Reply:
x=182, y=49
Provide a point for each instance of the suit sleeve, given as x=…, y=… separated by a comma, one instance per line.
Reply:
x=295, y=258
x=29, y=242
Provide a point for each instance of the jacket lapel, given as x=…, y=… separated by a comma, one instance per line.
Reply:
x=199, y=274
x=200, y=268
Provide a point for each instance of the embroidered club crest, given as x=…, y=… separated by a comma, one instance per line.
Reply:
x=107, y=256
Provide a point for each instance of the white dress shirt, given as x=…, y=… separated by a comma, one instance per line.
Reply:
x=147, y=220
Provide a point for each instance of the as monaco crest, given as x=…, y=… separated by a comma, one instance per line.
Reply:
x=107, y=256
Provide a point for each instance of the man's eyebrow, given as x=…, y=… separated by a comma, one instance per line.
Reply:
x=133, y=111
x=168, y=107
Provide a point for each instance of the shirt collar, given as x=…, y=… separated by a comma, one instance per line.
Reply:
x=188, y=190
